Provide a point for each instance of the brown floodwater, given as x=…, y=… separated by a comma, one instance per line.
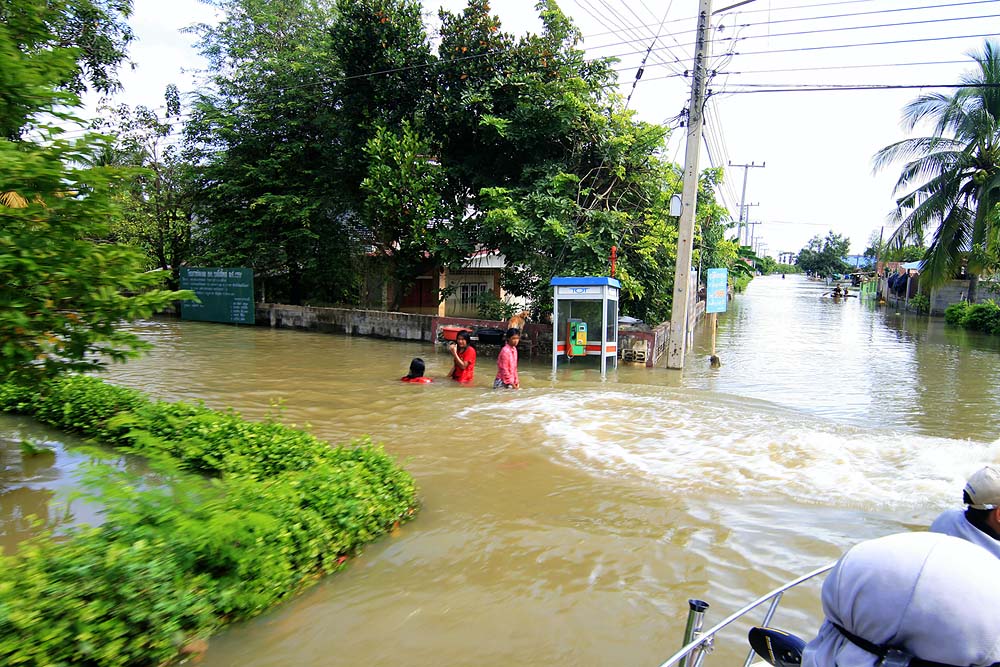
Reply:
x=569, y=522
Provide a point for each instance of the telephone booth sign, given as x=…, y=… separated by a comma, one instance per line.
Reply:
x=584, y=320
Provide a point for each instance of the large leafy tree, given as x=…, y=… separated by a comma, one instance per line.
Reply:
x=542, y=151
x=263, y=137
x=950, y=180
x=63, y=295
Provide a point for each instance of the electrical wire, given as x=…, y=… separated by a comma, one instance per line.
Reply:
x=642, y=65
x=842, y=67
x=810, y=88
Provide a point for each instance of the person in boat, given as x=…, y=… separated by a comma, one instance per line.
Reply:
x=507, y=362
x=416, y=374
x=836, y=291
x=919, y=598
x=979, y=522
x=464, y=356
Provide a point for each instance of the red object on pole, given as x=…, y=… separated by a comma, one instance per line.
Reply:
x=614, y=256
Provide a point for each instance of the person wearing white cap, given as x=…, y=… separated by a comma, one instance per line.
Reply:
x=980, y=522
x=917, y=599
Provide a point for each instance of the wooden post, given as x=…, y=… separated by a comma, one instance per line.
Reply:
x=713, y=319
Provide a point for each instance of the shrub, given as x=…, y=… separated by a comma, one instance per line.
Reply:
x=982, y=316
x=954, y=313
x=270, y=509
x=920, y=303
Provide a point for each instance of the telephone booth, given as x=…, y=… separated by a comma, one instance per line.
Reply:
x=584, y=320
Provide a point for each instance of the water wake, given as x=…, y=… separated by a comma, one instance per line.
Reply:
x=744, y=448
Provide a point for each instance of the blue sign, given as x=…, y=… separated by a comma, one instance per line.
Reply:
x=716, y=290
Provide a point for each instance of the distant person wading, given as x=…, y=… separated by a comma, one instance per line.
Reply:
x=507, y=362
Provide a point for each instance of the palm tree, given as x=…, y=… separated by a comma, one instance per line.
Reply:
x=951, y=179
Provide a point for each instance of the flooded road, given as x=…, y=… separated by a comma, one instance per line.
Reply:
x=569, y=523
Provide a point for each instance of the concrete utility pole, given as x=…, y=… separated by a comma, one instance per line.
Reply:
x=745, y=239
x=677, y=345
x=743, y=197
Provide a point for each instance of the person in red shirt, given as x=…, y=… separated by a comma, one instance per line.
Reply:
x=416, y=374
x=465, y=358
x=507, y=362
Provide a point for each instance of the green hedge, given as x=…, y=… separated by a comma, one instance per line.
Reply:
x=270, y=510
x=983, y=316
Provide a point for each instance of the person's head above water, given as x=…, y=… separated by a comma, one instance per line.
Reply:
x=416, y=368
x=513, y=336
x=462, y=339
x=931, y=596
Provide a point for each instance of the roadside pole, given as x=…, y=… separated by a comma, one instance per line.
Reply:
x=716, y=301
x=685, y=233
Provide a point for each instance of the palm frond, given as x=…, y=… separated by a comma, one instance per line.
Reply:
x=953, y=237
x=952, y=164
x=923, y=207
x=13, y=200
x=908, y=149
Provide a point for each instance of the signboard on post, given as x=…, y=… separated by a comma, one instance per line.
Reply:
x=226, y=295
x=716, y=290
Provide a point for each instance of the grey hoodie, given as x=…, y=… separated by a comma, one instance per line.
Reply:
x=934, y=596
x=954, y=523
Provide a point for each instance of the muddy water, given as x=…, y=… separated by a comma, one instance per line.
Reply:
x=569, y=522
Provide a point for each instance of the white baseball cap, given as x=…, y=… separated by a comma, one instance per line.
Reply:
x=983, y=488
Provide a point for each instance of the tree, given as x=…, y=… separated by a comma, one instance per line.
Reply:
x=54, y=49
x=263, y=137
x=824, y=256
x=158, y=197
x=879, y=250
x=950, y=180
x=63, y=295
x=402, y=206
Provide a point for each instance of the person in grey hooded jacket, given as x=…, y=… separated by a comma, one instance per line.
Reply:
x=979, y=523
x=928, y=596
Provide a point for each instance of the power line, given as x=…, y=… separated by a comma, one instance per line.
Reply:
x=841, y=67
x=809, y=88
x=850, y=46
x=872, y=26
x=799, y=19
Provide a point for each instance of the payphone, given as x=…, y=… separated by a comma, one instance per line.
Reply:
x=576, y=338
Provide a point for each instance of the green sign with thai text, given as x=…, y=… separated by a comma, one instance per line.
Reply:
x=226, y=295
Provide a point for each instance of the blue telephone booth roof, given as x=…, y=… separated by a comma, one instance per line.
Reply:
x=585, y=281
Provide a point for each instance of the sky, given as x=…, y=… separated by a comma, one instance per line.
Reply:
x=817, y=145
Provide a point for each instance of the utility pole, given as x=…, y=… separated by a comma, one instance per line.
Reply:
x=677, y=345
x=745, y=239
x=750, y=230
x=743, y=197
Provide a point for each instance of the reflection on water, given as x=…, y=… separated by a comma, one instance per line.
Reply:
x=569, y=522
x=38, y=493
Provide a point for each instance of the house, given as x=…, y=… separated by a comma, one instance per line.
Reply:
x=463, y=288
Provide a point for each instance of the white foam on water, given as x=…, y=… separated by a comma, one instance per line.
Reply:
x=744, y=448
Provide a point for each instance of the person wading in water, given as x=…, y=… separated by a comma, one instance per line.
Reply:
x=465, y=358
x=507, y=362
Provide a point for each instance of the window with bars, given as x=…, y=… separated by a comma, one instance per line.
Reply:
x=469, y=293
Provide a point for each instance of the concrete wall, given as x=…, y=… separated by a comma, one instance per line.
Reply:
x=954, y=291
x=374, y=323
